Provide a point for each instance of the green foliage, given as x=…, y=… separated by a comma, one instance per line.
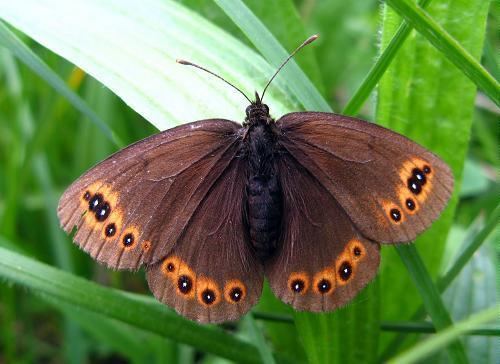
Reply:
x=143, y=313
x=426, y=80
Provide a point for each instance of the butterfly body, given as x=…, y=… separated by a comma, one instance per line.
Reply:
x=263, y=191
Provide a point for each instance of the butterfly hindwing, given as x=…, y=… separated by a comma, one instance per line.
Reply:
x=131, y=208
x=212, y=274
x=322, y=260
x=390, y=187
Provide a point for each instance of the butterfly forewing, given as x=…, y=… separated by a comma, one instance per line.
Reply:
x=322, y=260
x=131, y=208
x=211, y=274
x=390, y=187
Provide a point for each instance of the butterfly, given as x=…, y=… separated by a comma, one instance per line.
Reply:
x=212, y=207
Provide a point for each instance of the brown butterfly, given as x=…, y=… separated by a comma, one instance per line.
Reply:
x=211, y=207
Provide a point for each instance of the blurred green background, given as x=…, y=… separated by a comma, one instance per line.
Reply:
x=48, y=315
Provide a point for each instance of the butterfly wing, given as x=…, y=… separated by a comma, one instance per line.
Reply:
x=131, y=208
x=212, y=274
x=390, y=187
x=174, y=202
x=322, y=259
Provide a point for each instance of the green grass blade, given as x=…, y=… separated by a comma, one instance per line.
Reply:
x=422, y=350
x=474, y=290
x=60, y=247
x=124, y=339
x=259, y=340
x=431, y=297
x=347, y=335
x=282, y=19
x=428, y=328
x=132, y=48
x=450, y=47
x=145, y=314
x=30, y=59
x=377, y=71
x=298, y=83
x=403, y=326
x=466, y=255
x=444, y=281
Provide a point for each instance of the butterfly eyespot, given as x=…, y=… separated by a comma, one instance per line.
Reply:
x=298, y=285
x=419, y=175
x=357, y=251
x=410, y=204
x=95, y=201
x=208, y=296
x=110, y=230
x=128, y=240
x=207, y=291
x=236, y=294
x=102, y=211
x=298, y=282
x=87, y=195
x=234, y=291
x=415, y=173
x=184, y=284
x=414, y=185
x=324, y=286
x=395, y=215
x=345, y=271
x=354, y=250
x=324, y=281
x=171, y=265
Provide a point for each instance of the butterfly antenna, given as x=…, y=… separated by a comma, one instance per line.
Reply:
x=187, y=63
x=311, y=39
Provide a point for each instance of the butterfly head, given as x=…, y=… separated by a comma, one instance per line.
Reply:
x=257, y=112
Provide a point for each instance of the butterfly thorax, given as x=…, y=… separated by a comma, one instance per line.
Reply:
x=264, y=204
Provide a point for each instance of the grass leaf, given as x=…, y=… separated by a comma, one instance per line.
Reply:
x=259, y=340
x=131, y=48
x=431, y=297
x=446, y=279
x=465, y=256
x=299, y=85
x=450, y=47
x=422, y=350
x=427, y=328
x=145, y=314
x=380, y=66
x=30, y=59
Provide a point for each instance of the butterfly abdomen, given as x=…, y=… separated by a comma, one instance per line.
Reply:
x=264, y=206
